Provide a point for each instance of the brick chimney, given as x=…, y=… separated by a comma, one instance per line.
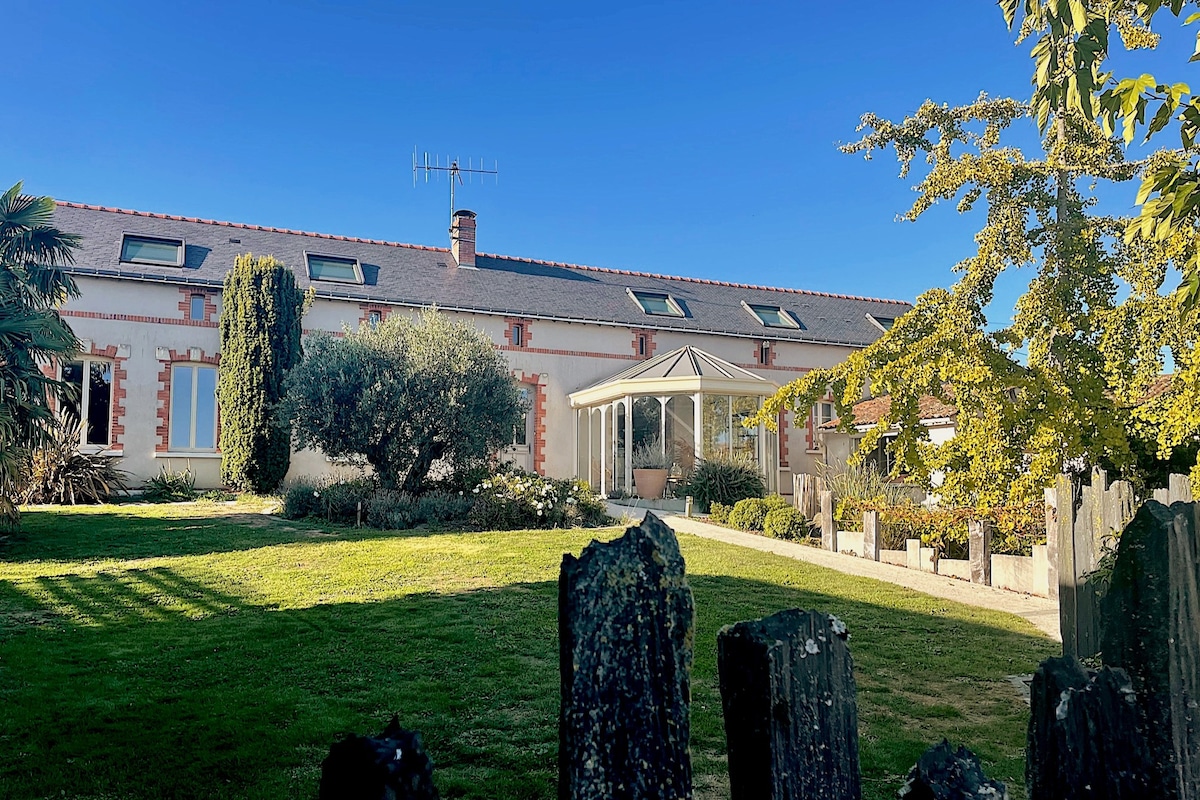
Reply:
x=462, y=238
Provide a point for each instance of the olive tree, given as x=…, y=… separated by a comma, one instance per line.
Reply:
x=403, y=394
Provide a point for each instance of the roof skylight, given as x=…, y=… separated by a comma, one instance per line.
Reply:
x=883, y=323
x=656, y=304
x=156, y=250
x=771, y=316
x=333, y=268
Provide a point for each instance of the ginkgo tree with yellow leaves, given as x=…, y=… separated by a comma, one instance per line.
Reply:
x=1074, y=380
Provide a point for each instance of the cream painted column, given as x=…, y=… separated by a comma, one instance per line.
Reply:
x=698, y=425
x=628, y=445
x=603, y=450
x=662, y=425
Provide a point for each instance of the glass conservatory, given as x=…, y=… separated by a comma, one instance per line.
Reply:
x=689, y=402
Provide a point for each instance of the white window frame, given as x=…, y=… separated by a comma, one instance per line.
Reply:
x=527, y=394
x=351, y=260
x=788, y=320
x=675, y=309
x=518, y=334
x=876, y=322
x=85, y=395
x=180, y=250
x=191, y=448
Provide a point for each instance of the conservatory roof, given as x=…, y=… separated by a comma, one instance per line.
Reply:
x=688, y=370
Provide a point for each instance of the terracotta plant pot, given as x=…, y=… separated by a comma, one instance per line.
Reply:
x=650, y=483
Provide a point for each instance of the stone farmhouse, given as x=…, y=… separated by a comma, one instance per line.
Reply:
x=609, y=359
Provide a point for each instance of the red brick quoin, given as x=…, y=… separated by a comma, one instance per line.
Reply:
x=367, y=309
x=210, y=305
x=164, y=395
x=116, y=429
x=534, y=380
x=510, y=332
x=643, y=343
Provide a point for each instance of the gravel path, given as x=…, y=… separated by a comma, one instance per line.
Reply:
x=1040, y=611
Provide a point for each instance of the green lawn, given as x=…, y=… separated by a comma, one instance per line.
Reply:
x=207, y=650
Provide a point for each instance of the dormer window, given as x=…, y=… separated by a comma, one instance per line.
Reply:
x=333, y=268
x=154, y=250
x=883, y=323
x=771, y=316
x=658, y=304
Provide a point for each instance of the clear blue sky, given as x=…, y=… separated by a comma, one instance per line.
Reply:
x=690, y=138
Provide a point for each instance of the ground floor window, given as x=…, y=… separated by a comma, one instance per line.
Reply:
x=90, y=398
x=193, y=421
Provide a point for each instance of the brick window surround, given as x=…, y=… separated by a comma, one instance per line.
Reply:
x=116, y=430
x=367, y=309
x=210, y=305
x=164, y=395
x=764, y=348
x=643, y=342
x=537, y=385
x=510, y=334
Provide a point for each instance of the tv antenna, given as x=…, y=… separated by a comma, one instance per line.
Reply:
x=454, y=170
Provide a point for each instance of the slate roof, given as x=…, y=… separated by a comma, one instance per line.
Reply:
x=419, y=276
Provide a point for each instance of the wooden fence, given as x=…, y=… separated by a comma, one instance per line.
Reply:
x=626, y=632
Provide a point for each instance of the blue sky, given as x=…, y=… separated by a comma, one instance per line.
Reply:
x=693, y=138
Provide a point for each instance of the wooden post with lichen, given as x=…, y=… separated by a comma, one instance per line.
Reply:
x=871, y=538
x=979, y=544
x=828, y=523
x=1151, y=630
x=625, y=626
x=788, y=692
x=1085, y=737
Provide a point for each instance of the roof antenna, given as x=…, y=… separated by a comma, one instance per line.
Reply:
x=454, y=170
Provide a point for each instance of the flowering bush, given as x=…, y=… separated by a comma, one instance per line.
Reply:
x=1015, y=529
x=516, y=500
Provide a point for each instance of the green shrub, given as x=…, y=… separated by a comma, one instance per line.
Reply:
x=300, y=498
x=723, y=480
x=261, y=310
x=719, y=513
x=330, y=498
x=785, y=523
x=58, y=473
x=519, y=500
x=169, y=486
x=392, y=510
x=748, y=514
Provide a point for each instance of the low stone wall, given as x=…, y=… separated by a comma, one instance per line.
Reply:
x=1025, y=574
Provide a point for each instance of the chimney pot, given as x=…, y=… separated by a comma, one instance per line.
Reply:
x=462, y=238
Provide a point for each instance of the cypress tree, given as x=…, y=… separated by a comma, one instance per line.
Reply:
x=260, y=342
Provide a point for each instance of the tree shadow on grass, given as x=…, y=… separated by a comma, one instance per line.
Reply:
x=145, y=684
x=123, y=535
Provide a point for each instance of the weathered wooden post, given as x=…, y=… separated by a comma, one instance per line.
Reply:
x=1151, y=629
x=871, y=537
x=979, y=543
x=791, y=724
x=1051, y=498
x=828, y=523
x=943, y=772
x=1084, y=737
x=625, y=628
x=1065, y=492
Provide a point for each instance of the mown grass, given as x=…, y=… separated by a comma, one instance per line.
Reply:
x=209, y=651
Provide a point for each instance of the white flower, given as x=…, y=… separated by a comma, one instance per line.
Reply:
x=473, y=491
x=316, y=493
x=539, y=512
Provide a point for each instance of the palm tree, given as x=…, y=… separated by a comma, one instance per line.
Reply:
x=32, y=286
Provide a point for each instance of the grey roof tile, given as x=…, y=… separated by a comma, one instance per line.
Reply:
x=416, y=275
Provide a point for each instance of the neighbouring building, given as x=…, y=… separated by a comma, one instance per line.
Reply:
x=607, y=358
